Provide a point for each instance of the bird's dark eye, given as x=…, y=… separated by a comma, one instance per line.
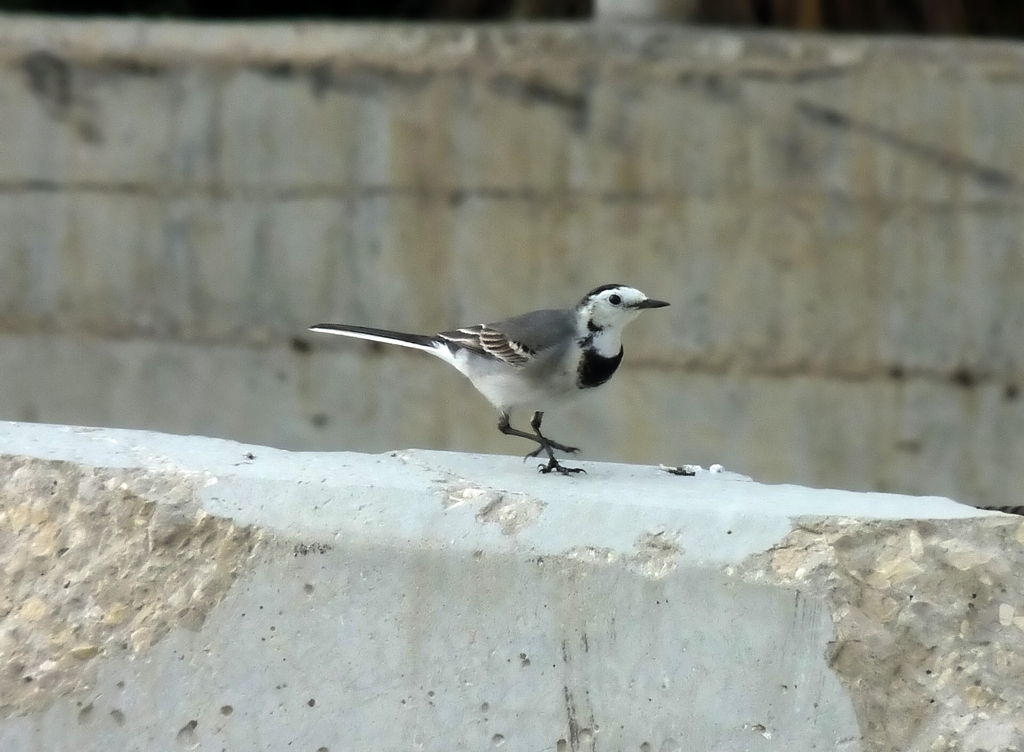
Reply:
x=614, y=299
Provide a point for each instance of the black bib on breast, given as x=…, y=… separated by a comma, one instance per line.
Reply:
x=596, y=369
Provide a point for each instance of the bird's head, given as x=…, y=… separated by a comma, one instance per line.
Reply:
x=614, y=306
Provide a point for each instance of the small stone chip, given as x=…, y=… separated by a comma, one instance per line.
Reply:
x=84, y=652
x=142, y=639
x=33, y=610
x=115, y=615
x=690, y=470
x=686, y=470
x=1006, y=614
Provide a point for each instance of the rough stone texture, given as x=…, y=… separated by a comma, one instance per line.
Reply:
x=229, y=596
x=837, y=222
x=96, y=563
x=929, y=634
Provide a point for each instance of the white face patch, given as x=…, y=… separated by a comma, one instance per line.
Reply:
x=614, y=307
x=604, y=313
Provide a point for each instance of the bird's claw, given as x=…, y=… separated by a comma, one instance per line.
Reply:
x=560, y=469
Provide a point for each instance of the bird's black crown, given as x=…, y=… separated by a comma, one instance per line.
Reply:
x=598, y=290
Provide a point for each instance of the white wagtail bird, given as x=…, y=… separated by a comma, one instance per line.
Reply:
x=539, y=360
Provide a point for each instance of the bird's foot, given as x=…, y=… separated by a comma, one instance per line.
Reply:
x=553, y=445
x=554, y=465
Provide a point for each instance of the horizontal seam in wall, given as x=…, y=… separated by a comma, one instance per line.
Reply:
x=964, y=377
x=458, y=195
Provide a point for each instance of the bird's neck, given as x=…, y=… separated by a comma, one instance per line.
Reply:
x=605, y=340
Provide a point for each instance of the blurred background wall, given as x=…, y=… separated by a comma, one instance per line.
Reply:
x=836, y=220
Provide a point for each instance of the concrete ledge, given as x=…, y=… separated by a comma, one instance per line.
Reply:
x=459, y=44
x=180, y=592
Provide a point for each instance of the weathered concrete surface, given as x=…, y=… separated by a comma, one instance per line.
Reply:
x=928, y=626
x=424, y=600
x=837, y=222
x=93, y=565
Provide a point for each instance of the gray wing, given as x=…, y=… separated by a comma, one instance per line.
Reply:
x=517, y=340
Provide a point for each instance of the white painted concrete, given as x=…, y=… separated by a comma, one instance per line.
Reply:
x=434, y=497
x=435, y=601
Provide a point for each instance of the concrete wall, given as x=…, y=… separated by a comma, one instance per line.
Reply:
x=166, y=593
x=837, y=222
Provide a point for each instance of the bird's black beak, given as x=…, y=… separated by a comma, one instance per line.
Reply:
x=649, y=303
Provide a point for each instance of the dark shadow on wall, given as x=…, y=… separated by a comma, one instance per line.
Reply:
x=990, y=18
x=413, y=10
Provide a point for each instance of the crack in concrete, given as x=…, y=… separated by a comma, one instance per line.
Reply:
x=943, y=159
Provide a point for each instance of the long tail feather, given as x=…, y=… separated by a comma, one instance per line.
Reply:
x=402, y=339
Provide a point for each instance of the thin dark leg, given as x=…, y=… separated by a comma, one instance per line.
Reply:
x=508, y=430
x=544, y=444
x=535, y=425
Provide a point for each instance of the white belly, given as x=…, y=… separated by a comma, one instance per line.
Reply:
x=508, y=388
